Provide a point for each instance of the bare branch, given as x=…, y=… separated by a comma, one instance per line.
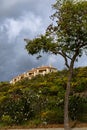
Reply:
x=65, y=58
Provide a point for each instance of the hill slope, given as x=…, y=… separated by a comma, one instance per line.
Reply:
x=41, y=99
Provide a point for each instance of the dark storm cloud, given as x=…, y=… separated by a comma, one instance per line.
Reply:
x=20, y=19
x=14, y=8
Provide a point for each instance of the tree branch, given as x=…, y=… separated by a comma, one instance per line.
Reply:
x=65, y=58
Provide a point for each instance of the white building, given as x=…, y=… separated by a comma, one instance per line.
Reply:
x=36, y=71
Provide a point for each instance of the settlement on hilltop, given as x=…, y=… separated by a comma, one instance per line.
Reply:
x=32, y=73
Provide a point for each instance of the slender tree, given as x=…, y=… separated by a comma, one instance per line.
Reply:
x=66, y=36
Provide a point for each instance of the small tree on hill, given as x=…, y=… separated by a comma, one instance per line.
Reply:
x=66, y=36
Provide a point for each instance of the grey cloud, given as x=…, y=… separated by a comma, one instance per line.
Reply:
x=27, y=22
x=20, y=19
x=14, y=8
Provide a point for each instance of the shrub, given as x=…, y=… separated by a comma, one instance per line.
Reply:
x=83, y=113
x=53, y=116
x=6, y=119
x=76, y=107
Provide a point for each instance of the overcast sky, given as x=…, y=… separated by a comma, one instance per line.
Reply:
x=21, y=19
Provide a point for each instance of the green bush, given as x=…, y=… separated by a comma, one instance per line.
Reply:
x=78, y=108
x=75, y=107
x=6, y=119
x=82, y=86
x=83, y=113
x=36, y=122
x=52, y=116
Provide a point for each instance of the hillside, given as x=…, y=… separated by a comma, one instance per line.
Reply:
x=41, y=99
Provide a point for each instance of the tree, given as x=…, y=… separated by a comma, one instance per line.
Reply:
x=66, y=36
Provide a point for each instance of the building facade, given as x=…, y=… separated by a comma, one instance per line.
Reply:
x=34, y=72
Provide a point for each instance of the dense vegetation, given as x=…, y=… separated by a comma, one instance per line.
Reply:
x=41, y=99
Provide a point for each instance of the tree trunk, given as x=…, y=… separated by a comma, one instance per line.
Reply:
x=66, y=116
x=66, y=105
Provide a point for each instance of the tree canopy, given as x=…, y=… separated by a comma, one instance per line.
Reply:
x=67, y=35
